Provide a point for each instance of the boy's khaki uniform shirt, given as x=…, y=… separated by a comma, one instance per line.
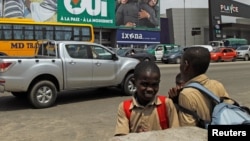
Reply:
x=193, y=100
x=145, y=117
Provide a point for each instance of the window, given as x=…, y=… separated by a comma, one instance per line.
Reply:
x=101, y=53
x=63, y=33
x=6, y=32
x=77, y=51
x=229, y=50
x=28, y=32
x=38, y=32
x=159, y=48
x=18, y=32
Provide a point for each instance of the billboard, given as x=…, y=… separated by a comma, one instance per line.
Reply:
x=138, y=13
x=96, y=12
x=101, y=13
x=38, y=10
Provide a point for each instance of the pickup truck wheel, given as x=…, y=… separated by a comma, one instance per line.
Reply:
x=19, y=94
x=43, y=94
x=128, y=86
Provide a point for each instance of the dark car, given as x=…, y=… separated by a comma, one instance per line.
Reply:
x=137, y=53
x=173, y=56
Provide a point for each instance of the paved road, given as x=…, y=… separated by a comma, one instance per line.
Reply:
x=90, y=115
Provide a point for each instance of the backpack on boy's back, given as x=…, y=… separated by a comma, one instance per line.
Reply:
x=161, y=111
x=223, y=113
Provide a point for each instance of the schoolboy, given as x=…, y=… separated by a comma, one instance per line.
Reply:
x=144, y=113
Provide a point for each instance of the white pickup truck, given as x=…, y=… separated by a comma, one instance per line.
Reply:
x=64, y=65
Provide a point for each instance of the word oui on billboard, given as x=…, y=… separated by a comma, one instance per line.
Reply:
x=87, y=11
x=77, y=7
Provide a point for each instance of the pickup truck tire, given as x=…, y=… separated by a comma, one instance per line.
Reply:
x=42, y=94
x=128, y=86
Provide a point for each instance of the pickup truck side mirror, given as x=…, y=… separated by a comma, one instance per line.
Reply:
x=114, y=57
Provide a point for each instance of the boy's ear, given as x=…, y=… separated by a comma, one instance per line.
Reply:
x=186, y=66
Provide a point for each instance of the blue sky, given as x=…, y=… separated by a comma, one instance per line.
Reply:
x=166, y=4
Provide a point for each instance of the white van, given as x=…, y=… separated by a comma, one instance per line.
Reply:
x=209, y=47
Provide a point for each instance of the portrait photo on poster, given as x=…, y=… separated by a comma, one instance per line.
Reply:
x=40, y=10
x=137, y=13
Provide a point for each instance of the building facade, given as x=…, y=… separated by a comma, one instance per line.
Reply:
x=119, y=25
x=183, y=21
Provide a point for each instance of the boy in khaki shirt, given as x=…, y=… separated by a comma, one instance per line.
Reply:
x=144, y=113
x=194, y=64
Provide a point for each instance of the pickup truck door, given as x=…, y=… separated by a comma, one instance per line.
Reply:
x=78, y=67
x=104, y=67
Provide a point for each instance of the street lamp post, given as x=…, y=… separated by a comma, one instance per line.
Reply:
x=185, y=39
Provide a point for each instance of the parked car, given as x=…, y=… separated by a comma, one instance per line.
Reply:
x=209, y=47
x=223, y=54
x=137, y=53
x=173, y=56
x=243, y=52
x=157, y=50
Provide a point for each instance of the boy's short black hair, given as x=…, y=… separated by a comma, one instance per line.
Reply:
x=144, y=66
x=198, y=58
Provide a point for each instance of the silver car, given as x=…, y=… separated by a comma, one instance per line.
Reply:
x=243, y=52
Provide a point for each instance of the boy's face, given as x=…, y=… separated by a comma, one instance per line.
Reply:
x=179, y=84
x=147, y=85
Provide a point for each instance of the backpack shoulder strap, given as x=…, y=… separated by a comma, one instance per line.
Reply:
x=161, y=110
x=200, y=122
x=162, y=113
x=203, y=90
x=126, y=105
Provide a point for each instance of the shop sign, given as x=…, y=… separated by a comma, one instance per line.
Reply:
x=137, y=36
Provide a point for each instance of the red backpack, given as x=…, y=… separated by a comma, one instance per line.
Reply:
x=161, y=109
